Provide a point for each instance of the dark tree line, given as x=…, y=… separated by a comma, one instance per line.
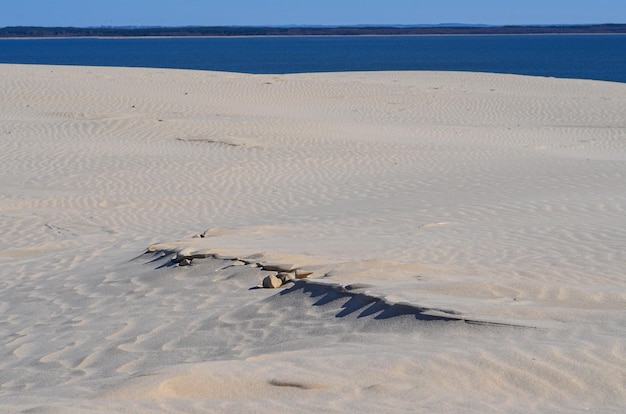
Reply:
x=34, y=31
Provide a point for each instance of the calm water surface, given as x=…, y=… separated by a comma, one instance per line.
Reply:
x=601, y=57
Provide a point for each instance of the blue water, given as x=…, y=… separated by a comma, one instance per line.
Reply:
x=601, y=57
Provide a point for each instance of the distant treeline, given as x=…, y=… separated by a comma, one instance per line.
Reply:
x=28, y=31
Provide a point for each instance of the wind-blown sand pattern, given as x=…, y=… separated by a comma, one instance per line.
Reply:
x=465, y=235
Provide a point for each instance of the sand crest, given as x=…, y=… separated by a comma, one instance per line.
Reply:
x=448, y=242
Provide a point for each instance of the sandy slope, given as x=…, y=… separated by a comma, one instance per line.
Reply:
x=466, y=234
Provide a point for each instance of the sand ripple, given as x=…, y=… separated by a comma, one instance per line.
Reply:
x=419, y=200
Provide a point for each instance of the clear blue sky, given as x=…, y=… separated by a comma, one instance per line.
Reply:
x=302, y=12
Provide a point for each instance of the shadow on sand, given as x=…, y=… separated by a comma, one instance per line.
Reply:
x=357, y=301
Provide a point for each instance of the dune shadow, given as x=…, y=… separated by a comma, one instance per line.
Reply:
x=355, y=301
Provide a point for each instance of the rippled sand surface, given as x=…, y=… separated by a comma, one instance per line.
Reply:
x=464, y=237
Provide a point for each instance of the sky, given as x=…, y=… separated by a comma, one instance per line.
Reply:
x=83, y=13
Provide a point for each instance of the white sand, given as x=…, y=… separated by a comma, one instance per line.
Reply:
x=451, y=205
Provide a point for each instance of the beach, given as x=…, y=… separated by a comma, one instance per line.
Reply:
x=457, y=242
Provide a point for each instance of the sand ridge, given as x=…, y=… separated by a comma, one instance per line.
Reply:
x=482, y=197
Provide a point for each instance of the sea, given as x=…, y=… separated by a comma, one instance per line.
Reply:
x=598, y=57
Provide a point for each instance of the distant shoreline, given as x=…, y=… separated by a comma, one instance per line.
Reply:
x=285, y=36
x=28, y=32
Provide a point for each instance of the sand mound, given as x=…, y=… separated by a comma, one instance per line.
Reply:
x=456, y=240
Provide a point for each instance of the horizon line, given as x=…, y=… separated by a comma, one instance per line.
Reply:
x=355, y=25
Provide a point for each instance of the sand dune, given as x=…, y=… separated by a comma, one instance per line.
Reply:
x=465, y=235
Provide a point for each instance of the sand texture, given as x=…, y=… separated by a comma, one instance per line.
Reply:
x=441, y=242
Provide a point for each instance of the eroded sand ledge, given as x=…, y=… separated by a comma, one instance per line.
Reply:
x=487, y=197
